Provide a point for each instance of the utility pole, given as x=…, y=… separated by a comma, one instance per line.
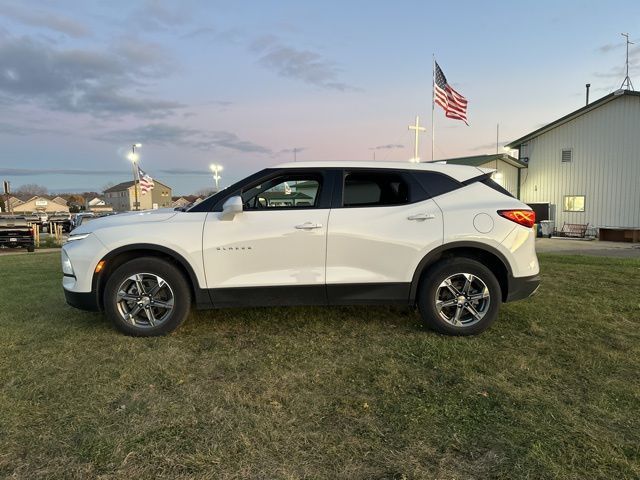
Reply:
x=627, y=79
x=7, y=193
x=417, y=129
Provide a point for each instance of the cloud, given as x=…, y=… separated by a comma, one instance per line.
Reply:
x=609, y=47
x=304, y=65
x=165, y=134
x=185, y=171
x=77, y=80
x=389, y=146
x=28, y=172
x=25, y=130
x=156, y=15
x=491, y=146
x=39, y=18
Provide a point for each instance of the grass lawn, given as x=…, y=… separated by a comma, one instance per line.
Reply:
x=552, y=390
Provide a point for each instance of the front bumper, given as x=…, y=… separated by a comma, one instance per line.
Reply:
x=522, y=287
x=82, y=300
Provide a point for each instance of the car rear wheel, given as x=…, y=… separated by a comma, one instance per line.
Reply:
x=147, y=297
x=459, y=296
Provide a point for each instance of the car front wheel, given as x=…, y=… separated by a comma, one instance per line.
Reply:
x=459, y=296
x=147, y=297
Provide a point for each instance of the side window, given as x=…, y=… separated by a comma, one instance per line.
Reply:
x=283, y=192
x=435, y=183
x=374, y=189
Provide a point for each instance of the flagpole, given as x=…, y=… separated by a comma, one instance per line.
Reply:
x=433, y=88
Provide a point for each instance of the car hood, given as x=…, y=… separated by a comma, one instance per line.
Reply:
x=129, y=218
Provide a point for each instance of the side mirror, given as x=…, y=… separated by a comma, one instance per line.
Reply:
x=231, y=207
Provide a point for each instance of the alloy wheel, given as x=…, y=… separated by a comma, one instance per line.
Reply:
x=145, y=300
x=462, y=299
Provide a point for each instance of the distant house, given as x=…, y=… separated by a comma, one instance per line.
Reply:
x=122, y=197
x=40, y=203
x=185, y=201
x=97, y=204
x=12, y=203
x=59, y=200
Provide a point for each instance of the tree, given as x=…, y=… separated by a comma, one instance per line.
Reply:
x=31, y=189
x=204, y=192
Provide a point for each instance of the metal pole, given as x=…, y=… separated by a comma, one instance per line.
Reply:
x=415, y=146
x=433, y=103
x=136, y=205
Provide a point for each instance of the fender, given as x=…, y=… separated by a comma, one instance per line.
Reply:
x=201, y=296
x=437, y=253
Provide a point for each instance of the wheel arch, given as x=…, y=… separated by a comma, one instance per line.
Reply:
x=120, y=255
x=489, y=256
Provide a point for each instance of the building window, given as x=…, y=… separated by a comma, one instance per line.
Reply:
x=574, y=203
x=567, y=155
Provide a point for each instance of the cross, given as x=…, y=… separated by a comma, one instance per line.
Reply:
x=417, y=128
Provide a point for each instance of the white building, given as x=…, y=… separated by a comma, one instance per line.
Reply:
x=586, y=166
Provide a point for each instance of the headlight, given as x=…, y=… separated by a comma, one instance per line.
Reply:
x=79, y=236
x=67, y=268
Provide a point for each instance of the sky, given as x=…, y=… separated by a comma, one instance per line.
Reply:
x=243, y=84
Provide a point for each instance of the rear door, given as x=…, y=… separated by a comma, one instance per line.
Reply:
x=381, y=226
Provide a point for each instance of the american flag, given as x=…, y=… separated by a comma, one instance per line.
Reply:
x=454, y=104
x=146, y=182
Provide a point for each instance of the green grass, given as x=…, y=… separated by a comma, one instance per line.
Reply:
x=552, y=390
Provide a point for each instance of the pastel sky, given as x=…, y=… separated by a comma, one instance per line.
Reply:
x=244, y=83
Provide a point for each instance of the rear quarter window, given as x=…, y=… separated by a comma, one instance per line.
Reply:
x=435, y=183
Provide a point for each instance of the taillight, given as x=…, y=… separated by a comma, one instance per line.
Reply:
x=526, y=218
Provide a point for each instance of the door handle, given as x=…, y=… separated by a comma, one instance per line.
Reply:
x=422, y=216
x=308, y=226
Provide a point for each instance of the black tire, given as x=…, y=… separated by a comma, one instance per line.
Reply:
x=453, y=269
x=175, y=287
x=31, y=248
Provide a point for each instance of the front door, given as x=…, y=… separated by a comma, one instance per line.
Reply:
x=274, y=251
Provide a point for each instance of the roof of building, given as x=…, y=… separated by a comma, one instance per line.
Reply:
x=478, y=160
x=126, y=185
x=575, y=114
x=119, y=187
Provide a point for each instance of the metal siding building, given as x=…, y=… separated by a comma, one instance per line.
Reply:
x=604, y=140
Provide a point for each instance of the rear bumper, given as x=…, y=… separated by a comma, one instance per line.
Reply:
x=82, y=300
x=18, y=242
x=522, y=287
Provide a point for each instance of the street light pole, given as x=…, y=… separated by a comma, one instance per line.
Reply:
x=134, y=158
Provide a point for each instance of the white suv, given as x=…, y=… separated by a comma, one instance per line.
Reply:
x=443, y=237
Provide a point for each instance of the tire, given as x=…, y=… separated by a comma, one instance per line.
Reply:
x=31, y=249
x=469, y=312
x=152, y=313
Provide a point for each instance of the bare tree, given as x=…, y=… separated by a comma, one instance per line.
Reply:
x=204, y=192
x=31, y=189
